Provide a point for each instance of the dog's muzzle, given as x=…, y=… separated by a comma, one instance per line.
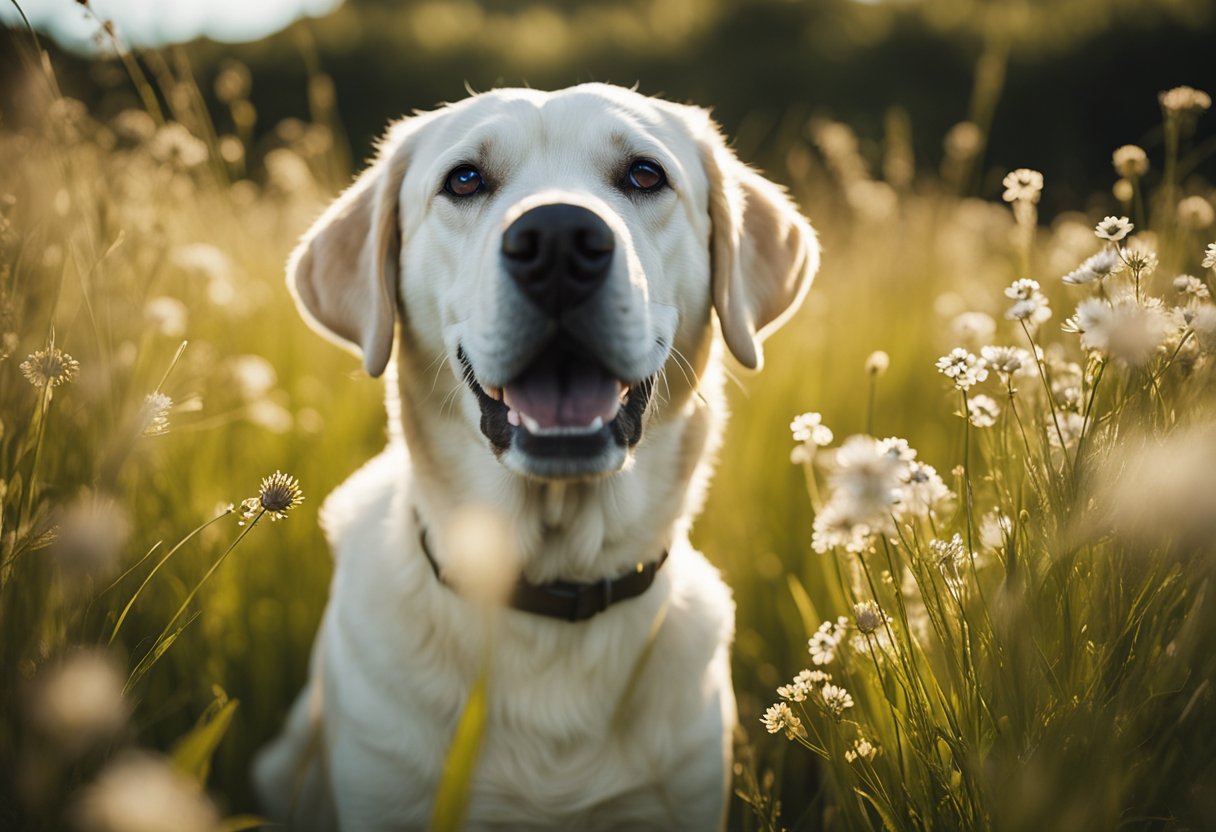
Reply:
x=564, y=413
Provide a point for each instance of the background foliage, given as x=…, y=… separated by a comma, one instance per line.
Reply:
x=107, y=210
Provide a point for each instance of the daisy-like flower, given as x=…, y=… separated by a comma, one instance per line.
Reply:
x=1029, y=303
x=800, y=688
x=1204, y=326
x=278, y=494
x=50, y=367
x=1184, y=100
x=897, y=448
x=808, y=677
x=779, y=717
x=869, y=617
x=835, y=527
x=155, y=415
x=923, y=490
x=1125, y=330
x=1022, y=184
x=793, y=693
x=1097, y=268
x=837, y=699
x=1191, y=286
x=1114, y=228
x=963, y=368
x=822, y=645
x=1130, y=161
x=1007, y=362
x=809, y=428
x=862, y=749
x=1209, y=256
x=982, y=411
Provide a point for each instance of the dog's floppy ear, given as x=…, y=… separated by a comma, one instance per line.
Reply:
x=344, y=272
x=764, y=252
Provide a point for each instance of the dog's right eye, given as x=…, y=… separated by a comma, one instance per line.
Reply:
x=464, y=180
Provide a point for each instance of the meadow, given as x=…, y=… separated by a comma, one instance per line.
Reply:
x=1000, y=619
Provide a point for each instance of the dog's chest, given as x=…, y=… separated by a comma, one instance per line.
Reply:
x=587, y=722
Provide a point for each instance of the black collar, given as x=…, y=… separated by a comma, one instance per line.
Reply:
x=566, y=600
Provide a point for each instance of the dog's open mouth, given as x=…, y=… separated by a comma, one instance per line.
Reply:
x=564, y=406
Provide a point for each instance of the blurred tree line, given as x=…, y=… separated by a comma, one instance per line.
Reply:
x=1063, y=82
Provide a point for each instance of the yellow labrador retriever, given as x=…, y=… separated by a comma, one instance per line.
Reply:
x=538, y=274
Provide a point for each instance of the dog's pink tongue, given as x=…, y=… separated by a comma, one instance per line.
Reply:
x=563, y=396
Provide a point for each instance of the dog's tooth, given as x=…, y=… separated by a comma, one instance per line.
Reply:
x=513, y=417
x=596, y=423
x=530, y=424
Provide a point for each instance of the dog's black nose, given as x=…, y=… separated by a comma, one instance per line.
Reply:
x=558, y=255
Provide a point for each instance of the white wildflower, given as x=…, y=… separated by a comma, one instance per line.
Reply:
x=973, y=327
x=1114, y=228
x=167, y=315
x=78, y=703
x=1184, y=99
x=1124, y=329
x=808, y=428
x=1195, y=212
x=1204, y=326
x=834, y=527
x=1029, y=303
x=982, y=411
x=141, y=793
x=1130, y=161
x=1209, y=256
x=92, y=533
x=963, y=368
x=1008, y=362
x=1096, y=268
x=1022, y=184
x=1191, y=286
x=865, y=483
x=1140, y=258
x=822, y=645
x=877, y=363
x=837, y=699
x=862, y=749
x=779, y=717
x=923, y=490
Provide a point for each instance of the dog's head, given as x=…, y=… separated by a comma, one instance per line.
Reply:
x=559, y=250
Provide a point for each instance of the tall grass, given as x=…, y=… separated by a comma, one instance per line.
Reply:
x=1055, y=678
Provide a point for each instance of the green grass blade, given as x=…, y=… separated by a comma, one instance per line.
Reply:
x=452, y=798
x=192, y=753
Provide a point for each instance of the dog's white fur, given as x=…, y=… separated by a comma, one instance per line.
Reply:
x=620, y=722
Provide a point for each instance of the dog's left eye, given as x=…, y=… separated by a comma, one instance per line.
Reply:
x=464, y=180
x=646, y=175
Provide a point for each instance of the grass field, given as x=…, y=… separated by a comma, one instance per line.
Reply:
x=1048, y=668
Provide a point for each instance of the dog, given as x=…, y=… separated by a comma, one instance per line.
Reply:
x=537, y=274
